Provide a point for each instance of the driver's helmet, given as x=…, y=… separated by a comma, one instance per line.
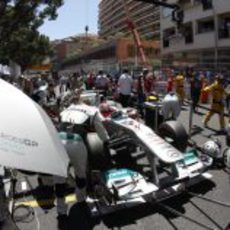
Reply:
x=212, y=148
x=105, y=109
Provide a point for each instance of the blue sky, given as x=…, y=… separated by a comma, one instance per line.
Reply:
x=73, y=16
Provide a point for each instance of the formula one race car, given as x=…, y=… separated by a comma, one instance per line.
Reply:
x=159, y=163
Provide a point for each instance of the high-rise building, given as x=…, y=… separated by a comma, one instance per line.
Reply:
x=204, y=38
x=113, y=18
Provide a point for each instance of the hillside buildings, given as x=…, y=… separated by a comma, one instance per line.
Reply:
x=71, y=46
x=112, y=56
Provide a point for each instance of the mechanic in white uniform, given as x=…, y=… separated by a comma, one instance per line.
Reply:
x=171, y=106
x=125, y=84
x=102, y=82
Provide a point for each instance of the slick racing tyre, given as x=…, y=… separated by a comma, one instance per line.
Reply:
x=175, y=131
x=98, y=154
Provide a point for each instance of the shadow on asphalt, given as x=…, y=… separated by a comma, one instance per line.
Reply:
x=204, y=212
x=79, y=217
x=8, y=224
x=207, y=185
x=214, y=133
x=199, y=113
x=42, y=193
x=213, y=130
x=196, y=130
x=183, y=108
x=217, y=133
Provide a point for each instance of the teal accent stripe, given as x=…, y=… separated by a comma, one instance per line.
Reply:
x=119, y=173
x=69, y=136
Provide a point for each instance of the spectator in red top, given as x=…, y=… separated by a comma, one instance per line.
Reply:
x=170, y=84
x=90, y=81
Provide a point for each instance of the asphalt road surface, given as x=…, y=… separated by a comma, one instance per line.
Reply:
x=190, y=211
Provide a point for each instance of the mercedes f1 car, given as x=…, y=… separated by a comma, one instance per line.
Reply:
x=112, y=134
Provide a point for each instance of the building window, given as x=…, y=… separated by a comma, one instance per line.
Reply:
x=188, y=33
x=149, y=51
x=205, y=26
x=224, y=57
x=131, y=50
x=165, y=43
x=166, y=36
x=224, y=26
x=207, y=4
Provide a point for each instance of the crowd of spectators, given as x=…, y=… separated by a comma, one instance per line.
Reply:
x=130, y=89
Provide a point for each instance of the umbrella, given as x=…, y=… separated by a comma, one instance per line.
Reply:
x=28, y=139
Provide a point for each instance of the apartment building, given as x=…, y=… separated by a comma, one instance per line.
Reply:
x=113, y=18
x=204, y=38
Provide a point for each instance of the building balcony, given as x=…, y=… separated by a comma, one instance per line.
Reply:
x=224, y=33
x=188, y=42
x=150, y=18
x=224, y=39
x=224, y=26
x=204, y=40
x=222, y=6
x=142, y=9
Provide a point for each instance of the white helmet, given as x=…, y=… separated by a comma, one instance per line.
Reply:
x=212, y=148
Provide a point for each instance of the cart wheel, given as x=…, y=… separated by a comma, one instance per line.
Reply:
x=207, y=160
x=98, y=153
x=175, y=131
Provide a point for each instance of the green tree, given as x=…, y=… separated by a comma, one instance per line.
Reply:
x=20, y=40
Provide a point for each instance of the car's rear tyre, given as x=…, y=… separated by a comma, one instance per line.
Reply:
x=175, y=131
x=98, y=153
